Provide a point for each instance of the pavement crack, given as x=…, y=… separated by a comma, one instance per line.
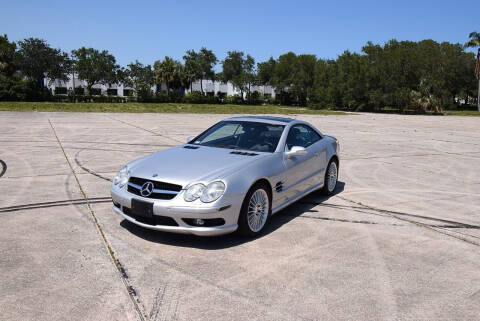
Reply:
x=128, y=287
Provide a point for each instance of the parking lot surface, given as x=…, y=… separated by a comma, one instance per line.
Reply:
x=398, y=241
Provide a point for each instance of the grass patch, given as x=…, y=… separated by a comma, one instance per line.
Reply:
x=159, y=108
x=462, y=112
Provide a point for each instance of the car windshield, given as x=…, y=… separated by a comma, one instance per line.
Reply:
x=251, y=136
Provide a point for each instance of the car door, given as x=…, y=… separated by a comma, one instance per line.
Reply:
x=301, y=172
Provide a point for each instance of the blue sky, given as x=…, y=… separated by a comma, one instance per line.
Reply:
x=149, y=30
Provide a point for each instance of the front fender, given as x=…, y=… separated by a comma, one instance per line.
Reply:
x=270, y=168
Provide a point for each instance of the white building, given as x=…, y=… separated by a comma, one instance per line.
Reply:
x=60, y=87
x=216, y=88
x=220, y=88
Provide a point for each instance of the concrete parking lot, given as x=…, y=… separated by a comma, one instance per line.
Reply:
x=398, y=241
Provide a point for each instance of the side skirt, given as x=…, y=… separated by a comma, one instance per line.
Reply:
x=296, y=197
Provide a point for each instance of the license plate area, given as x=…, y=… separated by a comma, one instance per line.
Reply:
x=141, y=208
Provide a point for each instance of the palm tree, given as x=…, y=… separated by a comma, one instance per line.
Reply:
x=165, y=72
x=474, y=42
x=192, y=67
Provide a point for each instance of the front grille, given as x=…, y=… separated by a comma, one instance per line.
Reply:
x=161, y=190
x=154, y=220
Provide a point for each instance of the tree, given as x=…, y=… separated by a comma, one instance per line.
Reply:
x=206, y=61
x=140, y=77
x=249, y=76
x=474, y=42
x=199, y=66
x=8, y=81
x=265, y=71
x=169, y=72
x=192, y=70
x=302, y=85
x=233, y=67
x=284, y=75
x=37, y=60
x=7, y=56
x=95, y=67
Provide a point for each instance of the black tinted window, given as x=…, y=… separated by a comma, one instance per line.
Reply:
x=301, y=135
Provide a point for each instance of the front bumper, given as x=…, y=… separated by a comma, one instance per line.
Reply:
x=178, y=210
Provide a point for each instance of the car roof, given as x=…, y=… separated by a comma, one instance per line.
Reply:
x=264, y=119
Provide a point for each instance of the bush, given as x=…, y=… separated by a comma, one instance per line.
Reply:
x=79, y=91
x=195, y=97
x=254, y=98
x=144, y=94
x=161, y=97
x=234, y=100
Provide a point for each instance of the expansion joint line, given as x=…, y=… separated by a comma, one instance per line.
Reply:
x=128, y=287
x=147, y=130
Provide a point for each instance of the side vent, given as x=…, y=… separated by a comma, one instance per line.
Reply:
x=279, y=187
x=191, y=147
x=243, y=153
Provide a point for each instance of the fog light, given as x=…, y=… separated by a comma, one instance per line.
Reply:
x=198, y=221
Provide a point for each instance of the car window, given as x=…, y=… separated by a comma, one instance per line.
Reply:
x=223, y=131
x=301, y=135
x=253, y=136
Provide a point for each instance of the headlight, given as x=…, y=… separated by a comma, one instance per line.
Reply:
x=122, y=177
x=206, y=194
x=193, y=192
x=212, y=192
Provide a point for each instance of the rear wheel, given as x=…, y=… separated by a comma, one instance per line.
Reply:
x=255, y=211
x=331, y=176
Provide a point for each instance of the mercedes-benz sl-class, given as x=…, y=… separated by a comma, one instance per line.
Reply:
x=232, y=177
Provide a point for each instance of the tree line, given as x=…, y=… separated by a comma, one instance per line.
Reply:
x=398, y=74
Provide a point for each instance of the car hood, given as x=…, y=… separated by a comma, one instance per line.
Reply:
x=180, y=165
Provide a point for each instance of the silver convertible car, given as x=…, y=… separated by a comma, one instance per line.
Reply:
x=231, y=177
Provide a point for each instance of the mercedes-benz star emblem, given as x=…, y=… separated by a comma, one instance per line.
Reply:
x=147, y=189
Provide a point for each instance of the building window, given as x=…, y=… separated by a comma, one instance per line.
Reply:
x=95, y=92
x=79, y=91
x=112, y=92
x=128, y=92
x=60, y=90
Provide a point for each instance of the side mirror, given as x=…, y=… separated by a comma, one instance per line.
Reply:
x=296, y=151
x=189, y=138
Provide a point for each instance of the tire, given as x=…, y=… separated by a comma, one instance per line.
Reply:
x=331, y=178
x=256, y=208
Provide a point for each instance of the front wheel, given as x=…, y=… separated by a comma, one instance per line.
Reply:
x=331, y=176
x=255, y=211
